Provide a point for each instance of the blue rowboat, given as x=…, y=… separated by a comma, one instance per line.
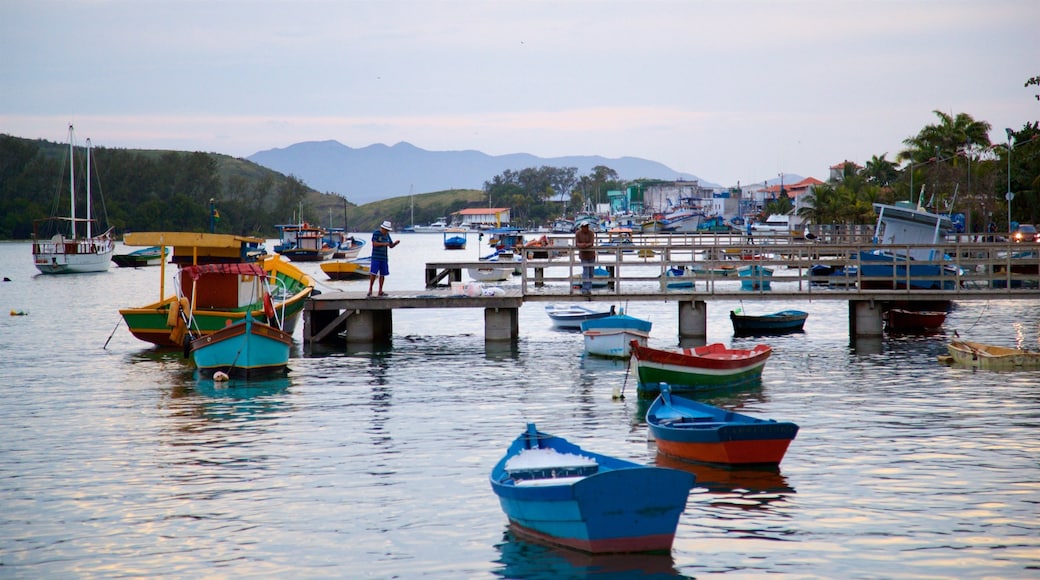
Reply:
x=696, y=431
x=776, y=323
x=755, y=277
x=247, y=348
x=555, y=492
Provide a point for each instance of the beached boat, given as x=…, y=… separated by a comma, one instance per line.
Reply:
x=992, y=357
x=58, y=247
x=909, y=320
x=755, y=277
x=907, y=234
x=247, y=348
x=455, y=238
x=570, y=316
x=679, y=278
x=139, y=258
x=208, y=304
x=775, y=323
x=699, y=432
x=358, y=269
x=554, y=491
x=703, y=368
x=612, y=336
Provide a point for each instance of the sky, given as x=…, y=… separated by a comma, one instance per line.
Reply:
x=728, y=90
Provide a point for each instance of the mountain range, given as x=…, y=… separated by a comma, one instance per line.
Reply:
x=380, y=171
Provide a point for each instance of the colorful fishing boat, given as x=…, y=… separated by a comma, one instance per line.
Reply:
x=139, y=258
x=309, y=245
x=703, y=368
x=992, y=357
x=58, y=247
x=358, y=269
x=696, y=431
x=612, y=336
x=570, y=316
x=208, y=304
x=347, y=247
x=556, y=492
x=781, y=322
x=247, y=349
x=910, y=252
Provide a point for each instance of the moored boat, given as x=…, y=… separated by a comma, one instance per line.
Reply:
x=755, y=277
x=775, y=323
x=358, y=269
x=909, y=320
x=679, y=277
x=910, y=253
x=554, y=491
x=210, y=303
x=140, y=258
x=58, y=247
x=570, y=316
x=696, y=431
x=455, y=238
x=248, y=348
x=703, y=368
x=992, y=357
x=612, y=336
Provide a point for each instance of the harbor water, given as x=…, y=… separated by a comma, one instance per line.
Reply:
x=117, y=461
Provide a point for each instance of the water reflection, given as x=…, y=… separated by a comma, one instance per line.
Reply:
x=529, y=560
x=750, y=486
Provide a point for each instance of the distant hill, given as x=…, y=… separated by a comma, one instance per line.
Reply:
x=379, y=172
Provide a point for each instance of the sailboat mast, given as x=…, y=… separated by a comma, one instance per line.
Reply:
x=72, y=184
x=89, y=233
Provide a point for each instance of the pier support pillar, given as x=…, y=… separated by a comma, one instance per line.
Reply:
x=865, y=318
x=501, y=324
x=693, y=319
x=375, y=326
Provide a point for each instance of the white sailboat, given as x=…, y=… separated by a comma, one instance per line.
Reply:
x=64, y=251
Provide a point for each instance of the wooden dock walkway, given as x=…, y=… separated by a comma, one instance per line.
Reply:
x=987, y=271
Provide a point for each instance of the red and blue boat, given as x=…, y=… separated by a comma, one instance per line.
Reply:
x=556, y=492
x=704, y=368
x=695, y=431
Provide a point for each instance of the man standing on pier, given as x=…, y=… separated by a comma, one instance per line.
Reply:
x=585, y=240
x=381, y=243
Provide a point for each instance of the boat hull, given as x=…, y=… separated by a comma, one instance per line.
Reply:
x=622, y=507
x=755, y=277
x=903, y=320
x=991, y=357
x=613, y=342
x=571, y=317
x=152, y=323
x=244, y=349
x=348, y=270
x=699, y=369
x=68, y=256
x=695, y=431
x=777, y=323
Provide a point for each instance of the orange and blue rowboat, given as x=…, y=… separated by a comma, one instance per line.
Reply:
x=555, y=492
x=697, y=431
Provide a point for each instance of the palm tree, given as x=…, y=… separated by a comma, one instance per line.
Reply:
x=881, y=171
x=945, y=139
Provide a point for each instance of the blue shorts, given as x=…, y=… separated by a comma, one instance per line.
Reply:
x=380, y=268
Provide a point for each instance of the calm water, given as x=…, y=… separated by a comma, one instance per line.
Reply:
x=116, y=461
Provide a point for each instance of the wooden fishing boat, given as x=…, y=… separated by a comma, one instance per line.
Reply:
x=248, y=348
x=570, y=316
x=455, y=238
x=359, y=269
x=612, y=336
x=776, y=323
x=347, y=247
x=908, y=320
x=907, y=235
x=704, y=368
x=679, y=278
x=140, y=258
x=755, y=277
x=699, y=432
x=58, y=247
x=310, y=245
x=556, y=492
x=992, y=357
x=205, y=305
